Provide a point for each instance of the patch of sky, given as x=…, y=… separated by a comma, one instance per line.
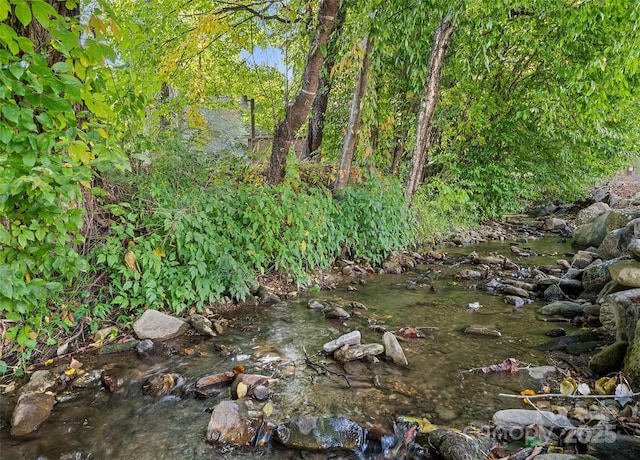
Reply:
x=269, y=56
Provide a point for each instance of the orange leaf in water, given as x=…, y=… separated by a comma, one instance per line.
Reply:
x=527, y=392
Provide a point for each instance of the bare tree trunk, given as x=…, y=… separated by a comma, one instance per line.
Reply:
x=315, y=131
x=353, y=129
x=441, y=39
x=296, y=113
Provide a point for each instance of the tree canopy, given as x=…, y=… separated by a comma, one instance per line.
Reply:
x=522, y=102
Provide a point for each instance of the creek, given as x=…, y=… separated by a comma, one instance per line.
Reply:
x=93, y=423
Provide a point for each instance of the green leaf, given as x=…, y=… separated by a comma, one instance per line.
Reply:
x=6, y=133
x=3, y=367
x=23, y=13
x=29, y=158
x=61, y=67
x=11, y=112
x=25, y=44
x=5, y=8
x=42, y=10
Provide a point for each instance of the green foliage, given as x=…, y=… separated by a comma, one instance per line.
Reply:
x=205, y=243
x=48, y=148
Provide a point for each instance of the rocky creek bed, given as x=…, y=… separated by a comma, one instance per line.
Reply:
x=430, y=356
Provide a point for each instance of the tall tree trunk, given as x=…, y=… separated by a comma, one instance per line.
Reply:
x=441, y=39
x=315, y=130
x=296, y=113
x=342, y=176
x=401, y=133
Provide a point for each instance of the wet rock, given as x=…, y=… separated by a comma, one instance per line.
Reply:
x=473, y=306
x=557, y=332
x=111, y=381
x=202, y=325
x=514, y=290
x=358, y=352
x=609, y=359
x=553, y=223
x=261, y=392
x=230, y=424
x=161, y=385
x=337, y=313
x=32, y=410
x=39, y=382
x=561, y=343
x=489, y=260
x=88, y=379
x=616, y=447
x=469, y=275
x=634, y=249
x=525, y=417
x=144, y=348
x=318, y=433
x=529, y=287
x=250, y=382
x=541, y=373
x=581, y=348
x=157, y=325
x=455, y=445
x=223, y=378
x=352, y=338
x=482, y=331
x=562, y=308
x=315, y=305
x=404, y=260
x=626, y=273
x=267, y=297
x=514, y=300
x=392, y=268
x=392, y=349
x=121, y=347
x=553, y=293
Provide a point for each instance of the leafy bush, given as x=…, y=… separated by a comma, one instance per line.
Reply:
x=203, y=245
x=48, y=150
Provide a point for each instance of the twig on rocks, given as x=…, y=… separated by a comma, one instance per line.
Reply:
x=321, y=368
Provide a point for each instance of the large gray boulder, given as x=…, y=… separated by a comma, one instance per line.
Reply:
x=588, y=214
x=632, y=359
x=620, y=313
x=626, y=273
x=156, y=325
x=32, y=410
x=230, y=424
x=563, y=308
x=619, y=218
x=615, y=243
x=592, y=233
x=526, y=417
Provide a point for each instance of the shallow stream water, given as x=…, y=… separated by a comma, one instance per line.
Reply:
x=126, y=424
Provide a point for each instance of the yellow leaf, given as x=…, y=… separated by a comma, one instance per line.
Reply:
x=568, y=387
x=102, y=132
x=303, y=246
x=130, y=261
x=70, y=371
x=85, y=183
x=241, y=390
x=48, y=361
x=527, y=392
x=32, y=334
x=159, y=252
x=267, y=409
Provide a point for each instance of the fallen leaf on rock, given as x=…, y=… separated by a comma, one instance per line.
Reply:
x=241, y=390
x=267, y=409
x=568, y=387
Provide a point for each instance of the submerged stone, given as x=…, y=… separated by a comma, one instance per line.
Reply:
x=230, y=424
x=320, y=433
x=32, y=410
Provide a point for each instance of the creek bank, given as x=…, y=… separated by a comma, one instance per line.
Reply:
x=495, y=270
